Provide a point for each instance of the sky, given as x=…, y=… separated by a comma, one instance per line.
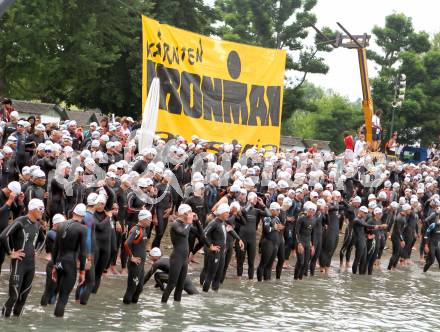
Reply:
x=360, y=17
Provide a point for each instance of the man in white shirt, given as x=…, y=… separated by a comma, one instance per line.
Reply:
x=377, y=130
x=360, y=146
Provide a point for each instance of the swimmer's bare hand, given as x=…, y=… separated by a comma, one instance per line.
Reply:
x=19, y=254
x=136, y=260
x=54, y=275
x=214, y=248
x=81, y=278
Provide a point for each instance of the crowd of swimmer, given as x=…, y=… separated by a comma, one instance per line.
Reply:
x=90, y=199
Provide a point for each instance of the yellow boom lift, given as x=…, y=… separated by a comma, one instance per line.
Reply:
x=358, y=42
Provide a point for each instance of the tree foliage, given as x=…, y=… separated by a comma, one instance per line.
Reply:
x=86, y=53
x=404, y=50
x=325, y=115
x=282, y=24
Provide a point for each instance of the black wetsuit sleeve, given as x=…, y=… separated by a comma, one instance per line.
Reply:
x=17, y=210
x=208, y=231
x=83, y=249
x=390, y=221
x=41, y=238
x=263, y=211
x=101, y=225
x=4, y=213
x=181, y=230
x=298, y=227
x=56, y=246
x=429, y=231
x=110, y=197
x=134, y=233
x=363, y=223
x=7, y=233
x=268, y=226
x=399, y=229
x=430, y=219
x=243, y=220
x=130, y=200
x=151, y=272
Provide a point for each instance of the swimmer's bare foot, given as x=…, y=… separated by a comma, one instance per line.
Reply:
x=113, y=270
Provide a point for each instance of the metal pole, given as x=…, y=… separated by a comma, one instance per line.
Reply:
x=392, y=123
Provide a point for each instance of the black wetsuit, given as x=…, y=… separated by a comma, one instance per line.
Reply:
x=83, y=291
x=199, y=207
x=140, y=166
x=5, y=211
x=70, y=246
x=121, y=198
x=33, y=191
x=75, y=194
x=57, y=198
x=21, y=234
x=382, y=238
x=289, y=230
x=178, y=260
x=135, y=246
x=432, y=238
x=409, y=234
x=303, y=234
x=248, y=234
x=347, y=246
x=427, y=211
x=317, y=241
x=396, y=238
x=215, y=234
x=330, y=236
x=9, y=171
x=373, y=244
x=165, y=202
x=231, y=238
x=49, y=294
x=360, y=243
x=269, y=247
x=160, y=270
x=103, y=228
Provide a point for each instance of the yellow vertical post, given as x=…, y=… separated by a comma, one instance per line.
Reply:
x=367, y=100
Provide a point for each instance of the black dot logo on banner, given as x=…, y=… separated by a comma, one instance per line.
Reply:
x=234, y=64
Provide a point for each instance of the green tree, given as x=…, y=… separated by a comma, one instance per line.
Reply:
x=324, y=115
x=86, y=53
x=435, y=41
x=396, y=36
x=397, y=40
x=419, y=117
x=192, y=15
x=277, y=24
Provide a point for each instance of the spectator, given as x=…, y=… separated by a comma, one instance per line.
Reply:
x=377, y=130
x=348, y=141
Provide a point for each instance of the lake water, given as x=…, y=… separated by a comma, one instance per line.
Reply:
x=404, y=300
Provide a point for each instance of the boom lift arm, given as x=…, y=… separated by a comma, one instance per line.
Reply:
x=358, y=42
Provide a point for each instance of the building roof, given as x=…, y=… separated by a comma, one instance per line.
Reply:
x=291, y=141
x=48, y=110
x=33, y=108
x=322, y=145
x=82, y=117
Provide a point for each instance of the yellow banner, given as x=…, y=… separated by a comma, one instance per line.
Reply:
x=218, y=90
